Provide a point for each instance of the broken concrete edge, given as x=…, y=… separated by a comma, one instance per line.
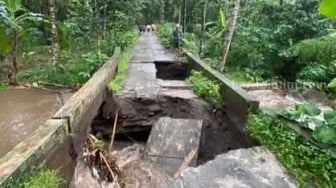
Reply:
x=237, y=101
x=74, y=109
x=31, y=152
x=246, y=167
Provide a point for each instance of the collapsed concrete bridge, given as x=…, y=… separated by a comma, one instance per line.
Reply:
x=156, y=99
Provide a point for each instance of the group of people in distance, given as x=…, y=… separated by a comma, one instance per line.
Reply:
x=148, y=28
x=176, y=35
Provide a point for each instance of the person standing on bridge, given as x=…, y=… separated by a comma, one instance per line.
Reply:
x=177, y=38
x=153, y=28
x=149, y=27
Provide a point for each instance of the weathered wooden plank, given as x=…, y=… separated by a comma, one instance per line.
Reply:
x=171, y=140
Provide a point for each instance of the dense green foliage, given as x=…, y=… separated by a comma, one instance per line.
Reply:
x=328, y=8
x=206, y=88
x=273, y=40
x=165, y=34
x=71, y=72
x=316, y=57
x=87, y=31
x=305, y=161
x=321, y=124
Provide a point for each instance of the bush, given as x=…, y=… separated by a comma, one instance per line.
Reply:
x=122, y=39
x=164, y=33
x=44, y=178
x=206, y=88
x=317, y=57
x=190, y=42
x=73, y=71
x=305, y=161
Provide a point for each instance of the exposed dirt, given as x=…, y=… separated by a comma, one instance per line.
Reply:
x=138, y=115
x=172, y=70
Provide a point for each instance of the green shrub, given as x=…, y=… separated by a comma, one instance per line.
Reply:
x=165, y=33
x=318, y=58
x=116, y=84
x=206, y=88
x=73, y=71
x=190, y=42
x=320, y=50
x=303, y=160
x=3, y=87
x=42, y=179
x=122, y=39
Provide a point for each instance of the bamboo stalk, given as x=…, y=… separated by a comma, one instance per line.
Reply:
x=185, y=163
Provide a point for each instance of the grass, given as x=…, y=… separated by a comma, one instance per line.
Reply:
x=72, y=71
x=45, y=178
x=206, y=88
x=116, y=84
x=305, y=161
x=3, y=87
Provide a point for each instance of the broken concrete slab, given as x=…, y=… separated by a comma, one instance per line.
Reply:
x=177, y=93
x=143, y=51
x=171, y=140
x=148, y=49
x=141, y=79
x=253, y=167
x=174, y=84
x=144, y=174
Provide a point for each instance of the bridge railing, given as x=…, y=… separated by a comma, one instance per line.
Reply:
x=67, y=128
x=238, y=102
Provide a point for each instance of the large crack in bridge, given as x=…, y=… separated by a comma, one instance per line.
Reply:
x=157, y=100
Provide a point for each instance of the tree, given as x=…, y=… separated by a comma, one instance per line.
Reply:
x=53, y=32
x=14, y=17
x=205, y=8
x=228, y=37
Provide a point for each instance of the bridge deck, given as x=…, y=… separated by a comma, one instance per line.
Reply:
x=145, y=99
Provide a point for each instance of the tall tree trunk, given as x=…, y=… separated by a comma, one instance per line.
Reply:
x=15, y=55
x=54, y=32
x=104, y=26
x=185, y=16
x=162, y=12
x=179, y=14
x=205, y=7
x=228, y=37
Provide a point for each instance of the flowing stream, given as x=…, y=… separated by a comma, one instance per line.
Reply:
x=22, y=111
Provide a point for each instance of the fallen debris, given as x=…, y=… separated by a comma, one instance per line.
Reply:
x=127, y=155
x=96, y=156
x=186, y=163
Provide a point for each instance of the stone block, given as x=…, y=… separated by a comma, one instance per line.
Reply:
x=171, y=140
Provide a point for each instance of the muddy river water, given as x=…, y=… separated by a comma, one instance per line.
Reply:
x=22, y=111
